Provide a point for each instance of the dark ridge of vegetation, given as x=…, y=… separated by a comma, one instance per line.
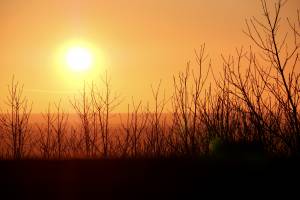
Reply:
x=252, y=112
x=146, y=178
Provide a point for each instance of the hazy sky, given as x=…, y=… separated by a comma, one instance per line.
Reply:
x=139, y=42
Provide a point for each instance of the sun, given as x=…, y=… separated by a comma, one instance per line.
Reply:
x=79, y=59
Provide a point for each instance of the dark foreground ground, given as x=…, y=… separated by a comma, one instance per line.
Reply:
x=149, y=179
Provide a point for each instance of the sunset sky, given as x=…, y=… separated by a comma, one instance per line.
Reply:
x=138, y=42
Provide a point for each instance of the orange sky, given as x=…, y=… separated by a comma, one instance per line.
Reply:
x=139, y=42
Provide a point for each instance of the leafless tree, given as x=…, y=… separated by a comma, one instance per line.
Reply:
x=105, y=102
x=16, y=121
x=156, y=129
x=84, y=109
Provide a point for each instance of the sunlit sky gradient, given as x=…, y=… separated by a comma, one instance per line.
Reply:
x=138, y=42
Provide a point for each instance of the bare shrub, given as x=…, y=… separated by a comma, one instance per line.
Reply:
x=46, y=134
x=133, y=129
x=59, y=126
x=188, y=87
x=269, y=88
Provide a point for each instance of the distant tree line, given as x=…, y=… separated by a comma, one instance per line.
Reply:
x=255, y=101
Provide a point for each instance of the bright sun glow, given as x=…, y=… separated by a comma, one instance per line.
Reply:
x=79, y=59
